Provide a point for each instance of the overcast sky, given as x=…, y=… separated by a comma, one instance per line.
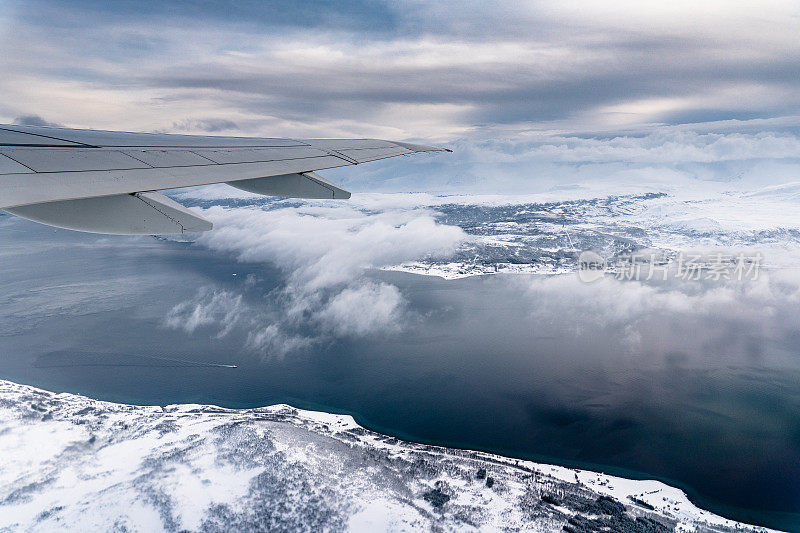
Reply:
x=402, y=69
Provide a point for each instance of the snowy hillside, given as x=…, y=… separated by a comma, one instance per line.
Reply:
x=72, y=463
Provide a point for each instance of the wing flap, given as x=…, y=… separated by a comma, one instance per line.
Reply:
x=305, y=185
x=144, y=213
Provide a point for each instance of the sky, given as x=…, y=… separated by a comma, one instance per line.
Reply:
x=401, y=69
x=622, y=90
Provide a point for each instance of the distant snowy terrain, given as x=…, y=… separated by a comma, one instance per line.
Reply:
x=72, y=463
x=534, y=233
x=547, y=237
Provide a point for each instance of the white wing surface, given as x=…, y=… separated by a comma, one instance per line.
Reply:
x=104, y=182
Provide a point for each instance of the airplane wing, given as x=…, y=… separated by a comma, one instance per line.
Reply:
x=106, y=182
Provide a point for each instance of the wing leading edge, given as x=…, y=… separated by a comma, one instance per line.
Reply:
x=104, y=182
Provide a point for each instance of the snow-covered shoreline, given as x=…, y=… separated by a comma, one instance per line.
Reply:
x=73, y=463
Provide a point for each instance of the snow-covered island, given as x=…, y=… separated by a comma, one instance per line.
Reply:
x=77, y=464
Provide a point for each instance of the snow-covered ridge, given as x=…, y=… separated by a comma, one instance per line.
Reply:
x=73, y=463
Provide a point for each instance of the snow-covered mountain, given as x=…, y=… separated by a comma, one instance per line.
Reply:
x=77, y=464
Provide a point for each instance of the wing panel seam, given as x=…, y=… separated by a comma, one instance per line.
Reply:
x=23, y=164
x=174, y=166
x=79, y=144
x=341, y=156
x=318, y=182
x=137, y=195
x=204, y=157
x=139, y=160
x=186, y=147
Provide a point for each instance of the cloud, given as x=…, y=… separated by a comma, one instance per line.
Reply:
x=324, y=252
x=326, y=244
x=410, y=69
x=649, y=99
x=210, y=125
x=273, y=340
x=676, y=316
x=209, y=307
x=33, y=120
x=664, y=159
x=379, y=308
x=632, y=317
x=668, y=147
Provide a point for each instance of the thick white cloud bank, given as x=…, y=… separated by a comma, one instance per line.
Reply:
x=324, y=246
x=323, y=252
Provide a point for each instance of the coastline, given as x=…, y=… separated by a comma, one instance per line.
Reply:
x=524, y=493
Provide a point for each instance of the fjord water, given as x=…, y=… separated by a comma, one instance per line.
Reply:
x=614, y=377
